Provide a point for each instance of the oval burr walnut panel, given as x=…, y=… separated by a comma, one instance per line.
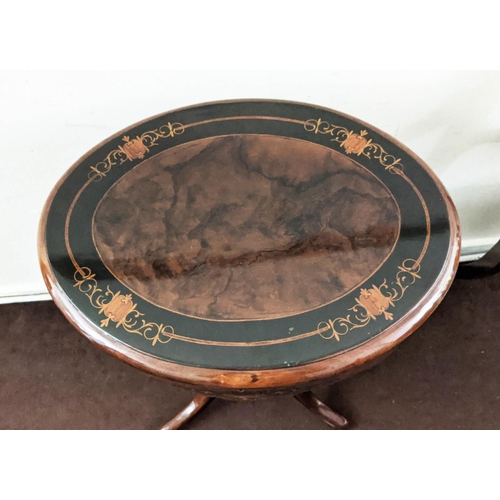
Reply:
x=244, y=247
x=245, y=227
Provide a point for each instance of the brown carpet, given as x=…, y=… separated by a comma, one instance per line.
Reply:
x=445, y=376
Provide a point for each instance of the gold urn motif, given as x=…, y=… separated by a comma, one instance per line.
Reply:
x=355, y=143
x=117, y=309
x=134, y=149
x=374, y=302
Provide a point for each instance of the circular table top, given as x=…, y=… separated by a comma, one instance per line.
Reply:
x=248, y=245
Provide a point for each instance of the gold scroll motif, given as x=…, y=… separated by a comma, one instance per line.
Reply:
x=358, y=144
x=120, y=309
x=372, y=302
x=134, y=149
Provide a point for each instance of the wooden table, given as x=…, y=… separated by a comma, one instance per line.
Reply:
x=246, y=248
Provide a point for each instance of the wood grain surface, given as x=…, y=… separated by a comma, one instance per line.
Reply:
x=245, y=227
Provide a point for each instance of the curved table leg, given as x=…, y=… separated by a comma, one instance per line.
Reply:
x=316, y=406
x=487, y=265
x=188, y=413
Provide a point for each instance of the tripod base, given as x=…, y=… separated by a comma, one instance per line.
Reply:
x=308, y=399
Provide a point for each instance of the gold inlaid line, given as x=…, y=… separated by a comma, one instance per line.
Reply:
x=230, y=118
x=66, y=225
x=427, y=216
x=247, y=344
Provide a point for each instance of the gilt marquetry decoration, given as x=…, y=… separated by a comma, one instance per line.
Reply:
x=119, y=310
x=134, y=149
x=355, y=143
x=372, y=302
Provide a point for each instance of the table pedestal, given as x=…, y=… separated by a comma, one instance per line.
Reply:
x=308, y=399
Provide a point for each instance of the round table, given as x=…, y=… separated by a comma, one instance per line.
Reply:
x=245, y=248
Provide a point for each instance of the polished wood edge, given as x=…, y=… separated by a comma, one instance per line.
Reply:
x=198, y=403
x=245, y=382
x=316, y=406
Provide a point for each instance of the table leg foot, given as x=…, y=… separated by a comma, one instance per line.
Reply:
x=188, y=413
x=316, y=406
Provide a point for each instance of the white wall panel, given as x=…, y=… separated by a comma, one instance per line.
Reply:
x=49, y=119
